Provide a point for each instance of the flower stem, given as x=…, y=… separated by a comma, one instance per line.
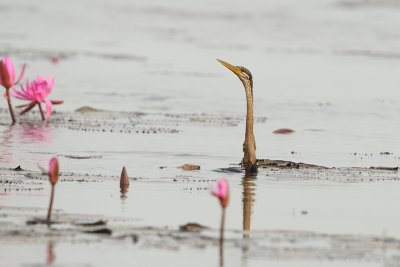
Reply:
x=10, y=107
x=221, y=239
x=50, y=206
x=41, y=112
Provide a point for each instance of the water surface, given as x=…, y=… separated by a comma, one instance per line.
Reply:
x=326, y=69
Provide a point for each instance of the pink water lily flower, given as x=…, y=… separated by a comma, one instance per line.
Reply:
x=7, y=80
x=221, y=191
x=37, y=92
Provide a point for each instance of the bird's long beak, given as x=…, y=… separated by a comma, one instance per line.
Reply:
x=234, y=69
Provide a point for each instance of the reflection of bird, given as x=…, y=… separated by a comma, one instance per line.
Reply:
x=249, y=145
x=248, y=183
x=249, y=188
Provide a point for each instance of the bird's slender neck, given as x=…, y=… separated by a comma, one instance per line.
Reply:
x=249, y=146
x=250, y=112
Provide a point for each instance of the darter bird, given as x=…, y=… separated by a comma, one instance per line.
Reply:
x=249, y=161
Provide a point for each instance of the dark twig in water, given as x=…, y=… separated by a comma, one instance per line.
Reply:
x=18, y=168
x=90, y=224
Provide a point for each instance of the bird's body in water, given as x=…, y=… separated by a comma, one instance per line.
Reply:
x=249, y=161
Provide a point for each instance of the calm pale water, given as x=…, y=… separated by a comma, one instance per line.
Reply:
x=326, y=69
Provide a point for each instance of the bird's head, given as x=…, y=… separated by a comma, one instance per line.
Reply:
x=243, y=74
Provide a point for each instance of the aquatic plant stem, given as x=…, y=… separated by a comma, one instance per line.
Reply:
x=41, y=112
x=50, y=206
x=221, y=239
x=10, y=107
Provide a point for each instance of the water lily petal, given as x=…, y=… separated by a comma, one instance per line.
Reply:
x=10, y=68
x=21, y=74
x=1, y=74
x=51, y=82
x=29, y=107
x=43, y=87
x=22, y=94
x=49, y=107
x=49, y=85
x=56, y=102
x=22, y=106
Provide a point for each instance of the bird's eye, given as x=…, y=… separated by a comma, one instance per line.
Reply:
x=245, y=75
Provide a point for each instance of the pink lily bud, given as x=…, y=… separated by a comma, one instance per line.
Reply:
x=7, y=73
x=221, y=191
x=54, y=171
x=124, y=181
